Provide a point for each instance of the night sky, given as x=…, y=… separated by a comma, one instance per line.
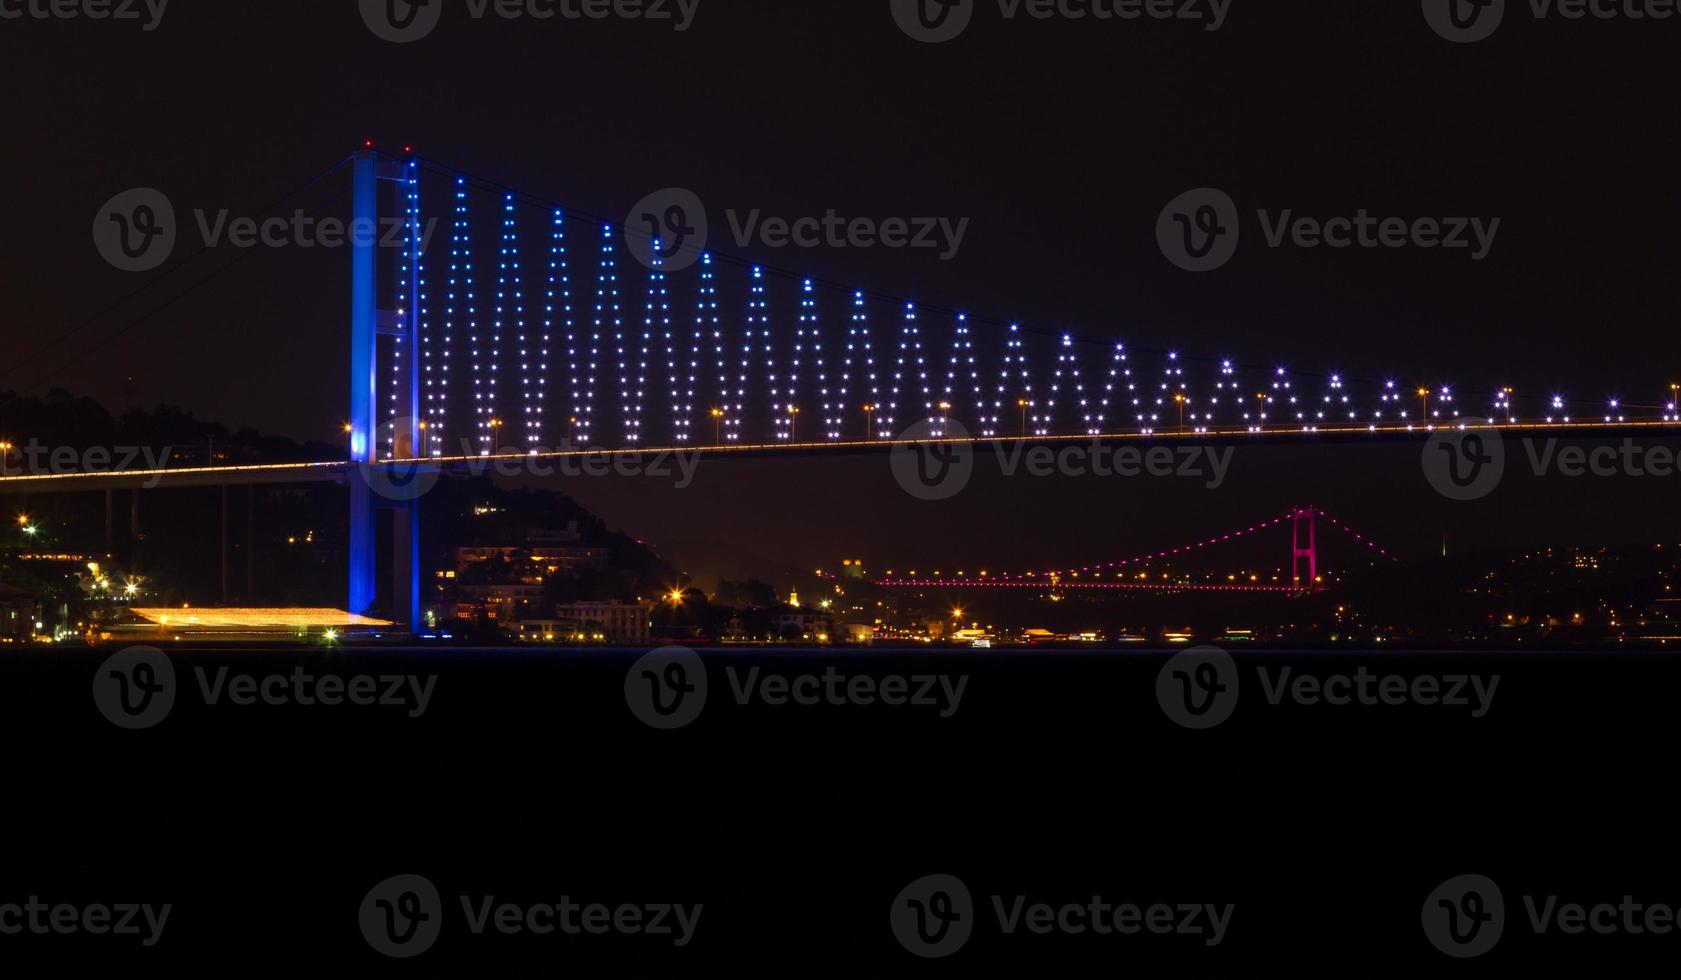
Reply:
x=1061, y=141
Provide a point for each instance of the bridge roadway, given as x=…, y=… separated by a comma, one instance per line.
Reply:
x=340, y=471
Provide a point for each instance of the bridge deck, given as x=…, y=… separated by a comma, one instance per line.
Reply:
x=338, y=471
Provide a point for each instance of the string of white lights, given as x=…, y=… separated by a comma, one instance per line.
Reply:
x=948, y=396
x=1117, y=364
x=440, y=421
x=559, y=275
x=732, y=424
x=706, y=319
x=834, y=412
x=627, y=397
x=758, y=313
x=697, y=343
x=1283, y=394
x=516, y=314
x=975, y=382
x=858, y=339
x=480, y=405
x=607, y=314
x=656, y=319
x=1015, y=359
x=1068, y=369
x=910, y=348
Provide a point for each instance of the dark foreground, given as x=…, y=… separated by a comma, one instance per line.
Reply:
x=1292, y=838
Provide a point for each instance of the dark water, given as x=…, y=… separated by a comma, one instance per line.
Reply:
x=1054, y=777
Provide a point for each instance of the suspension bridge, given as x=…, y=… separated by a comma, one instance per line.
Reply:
x=1124, y=574
x=536, y=332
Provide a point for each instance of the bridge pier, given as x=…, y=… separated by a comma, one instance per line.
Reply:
x=367, y=324
x=1304, y=547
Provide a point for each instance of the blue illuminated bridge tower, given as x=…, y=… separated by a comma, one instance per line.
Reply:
x=369, y=322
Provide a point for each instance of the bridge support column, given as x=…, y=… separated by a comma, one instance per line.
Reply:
x=1304, y=547
x=224, y=544
x=367, y=324
x=364, y=344
x=134, y=534
x=405, y=564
